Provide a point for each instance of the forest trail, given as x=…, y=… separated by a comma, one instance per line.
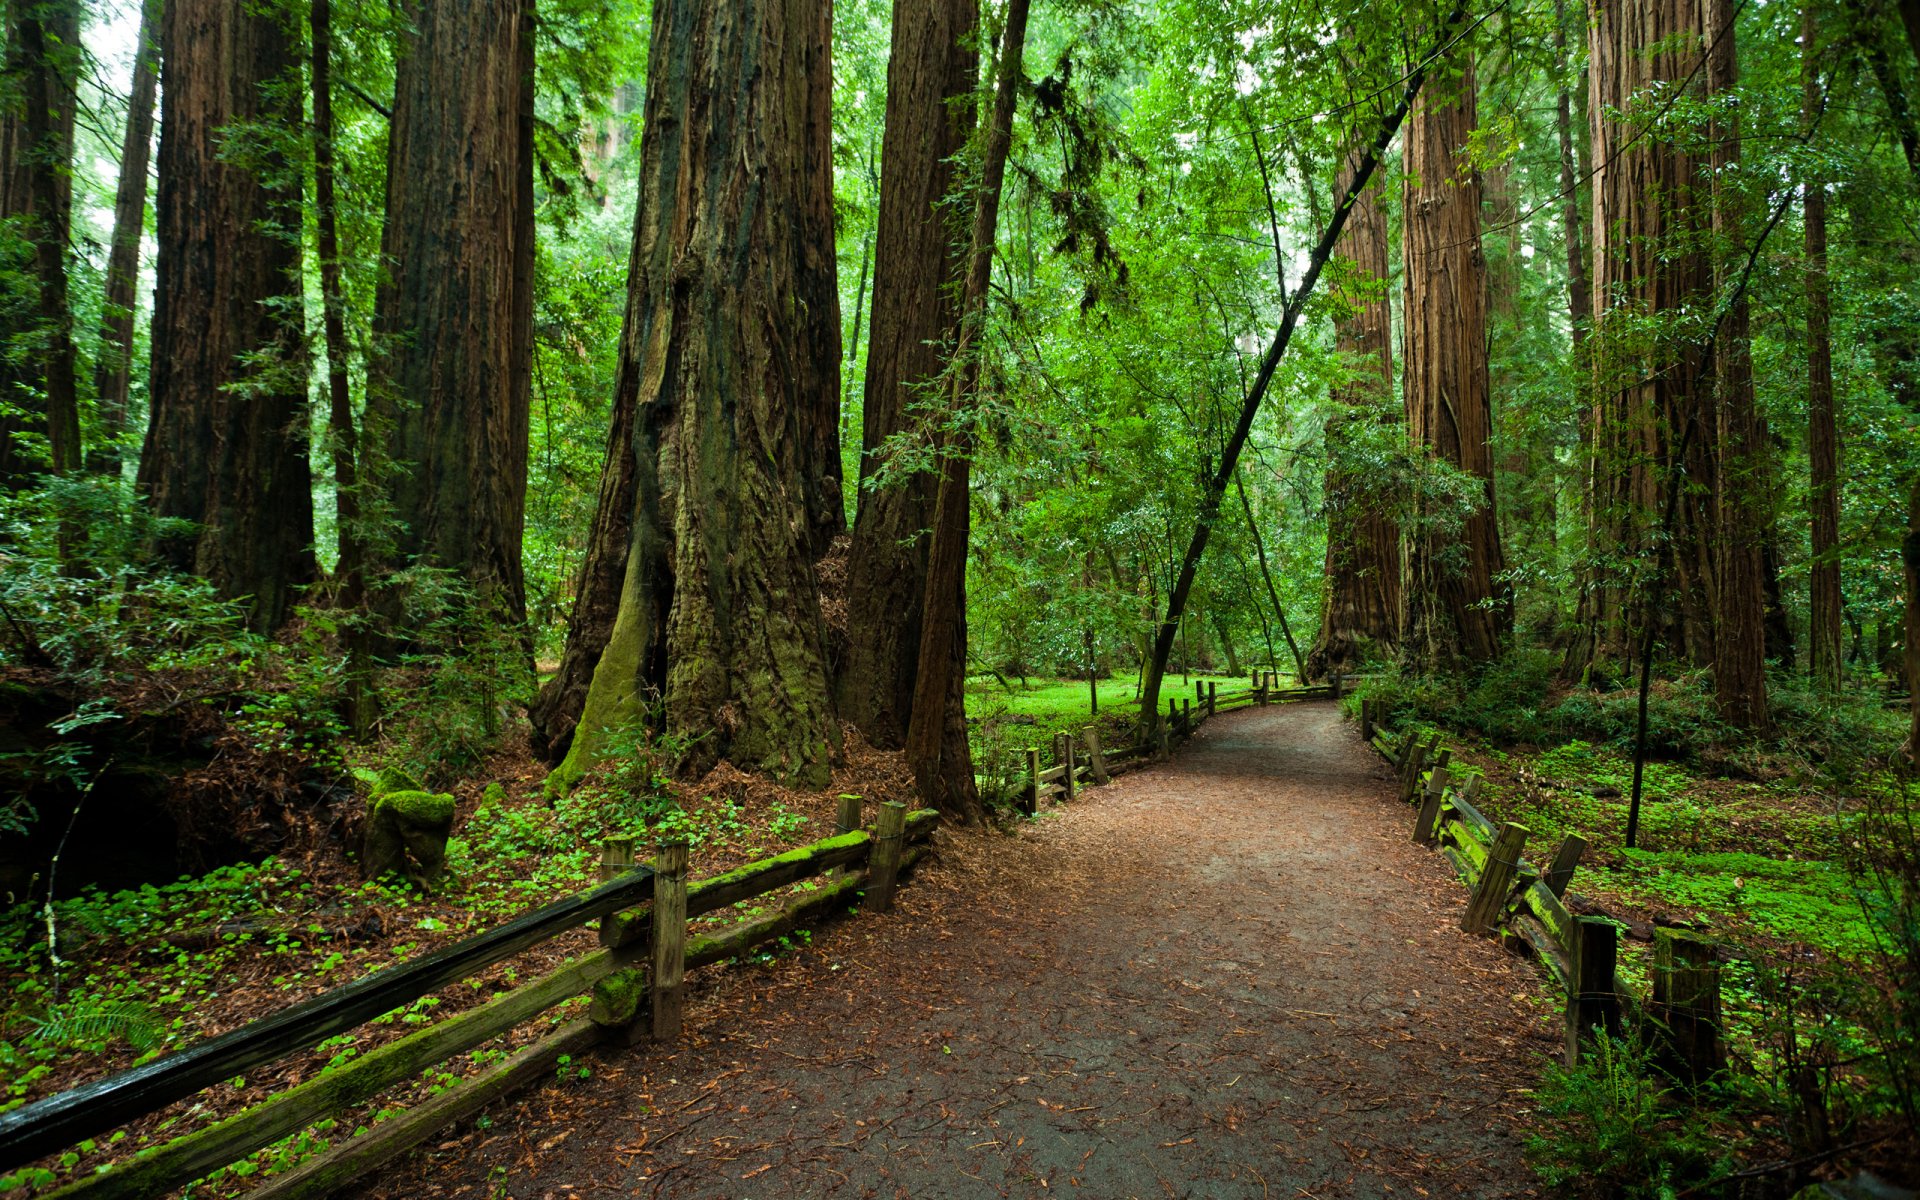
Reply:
x=1231, y=975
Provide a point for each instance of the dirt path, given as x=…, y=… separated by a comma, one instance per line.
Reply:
x=1229, y=976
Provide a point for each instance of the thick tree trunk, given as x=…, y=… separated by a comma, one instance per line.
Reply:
x=936, y=746
x=36, y=193
x=1740, y=500
x=1458, y=607
x=113, y=370
x=920, y=260
x=451, y=392
x=226, y=442
x=1823, y=439
x=1363, y=542
x=1648, y=390
x=731, y=356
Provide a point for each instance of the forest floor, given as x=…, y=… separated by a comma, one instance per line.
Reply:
x=1231, y=975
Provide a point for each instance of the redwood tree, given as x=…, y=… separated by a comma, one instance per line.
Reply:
x=113, y=370
x=1823, y=440
x=453, y=317
x=731, y=355
x=226, y=442
x=920, y=254
x=1457, y=605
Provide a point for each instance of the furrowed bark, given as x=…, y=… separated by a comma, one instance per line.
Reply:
x=226, y=443
x=113, y=372
x=1230, y=458
x=1823, y=440
x=920, y=263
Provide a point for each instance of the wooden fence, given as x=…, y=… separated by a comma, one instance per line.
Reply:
x=635, y=983
x=1081, y=761
x=1517, y=899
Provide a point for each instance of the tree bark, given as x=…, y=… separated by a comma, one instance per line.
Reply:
x=36, y=154
x=920, y=260
x=451, y=392
x=1458, y=607
x=113, y=371
x=226, y=443
x=1740, y=498
x=731, y=356
x=937, y=748
x=1363, y=540
x=1648, y=388
x=1823, y=439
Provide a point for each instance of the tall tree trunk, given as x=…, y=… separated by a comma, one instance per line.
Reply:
x=1300, y=668
x=731, y=356
x=451, y=389
x=1458, y=608
x=1740, y=498
x=936, y=747
x=113, y=370
x=1363, y=540
x=1823, y=439
x=1648, y=391
x=226, y=442
x=36, y=193
x=920, y=261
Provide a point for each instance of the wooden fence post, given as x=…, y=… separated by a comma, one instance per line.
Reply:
x=1186, y=717
x=1162, y=736
x=616, y=858
x=1410, y=773
x=846, y=820
x=1173, y=717
x=1366, y=720
x=1213, y=696
x=1686, y=1003
x=1030, y=798
x=884, y=866
x=1334, y=685
x=1445, y=757
x=1429, y=821
x=1560, y=873
x=1096, y=757
x=1065, y=744
x=1260, y=689
x=1503, y=863
x=669, y=936
x=1592, y=1004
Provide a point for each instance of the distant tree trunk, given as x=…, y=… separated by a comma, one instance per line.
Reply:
x=450, y=395
x=937, y=747
x=1579, y=299
x=226, y=442
x=1823, y=440
x=731, y=353
x=1300, y=667
x=1363, y=541
x=1740, y=499
x=1647, y=391
x=920, y=259
x=113, y=371
x=1457, y=606
x=37, y=363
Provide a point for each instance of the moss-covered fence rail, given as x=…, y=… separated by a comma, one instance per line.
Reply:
x=634, y=982
x=1524, y=904
x=1082, y=761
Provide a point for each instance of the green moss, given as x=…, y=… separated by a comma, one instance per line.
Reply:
x=417, y=808
x=617, y=998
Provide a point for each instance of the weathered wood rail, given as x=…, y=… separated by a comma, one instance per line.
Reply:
x=1525, y=905
x=634, y=983
x=1081, y=761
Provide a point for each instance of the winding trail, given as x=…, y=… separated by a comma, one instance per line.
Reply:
x=1231, y=975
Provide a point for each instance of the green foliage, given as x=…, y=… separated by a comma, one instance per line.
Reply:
x=1613, y=1129
x=90, y=1024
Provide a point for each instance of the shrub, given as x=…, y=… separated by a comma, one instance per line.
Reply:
x=1611, y=1129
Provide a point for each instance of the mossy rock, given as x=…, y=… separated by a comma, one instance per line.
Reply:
x=407, y=832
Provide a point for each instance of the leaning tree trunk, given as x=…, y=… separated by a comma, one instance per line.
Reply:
x=731, y=353
x=1823, y=440
x=1458, y=606
x=226, y=442
x=1363, y=540
x=36, y=193
x=452, y=387
x=920, y=258
x=113, y=370
x=1740, y=500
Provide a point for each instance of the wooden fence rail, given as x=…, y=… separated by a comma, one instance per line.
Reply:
x=1513, y=898
x=633, y=981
